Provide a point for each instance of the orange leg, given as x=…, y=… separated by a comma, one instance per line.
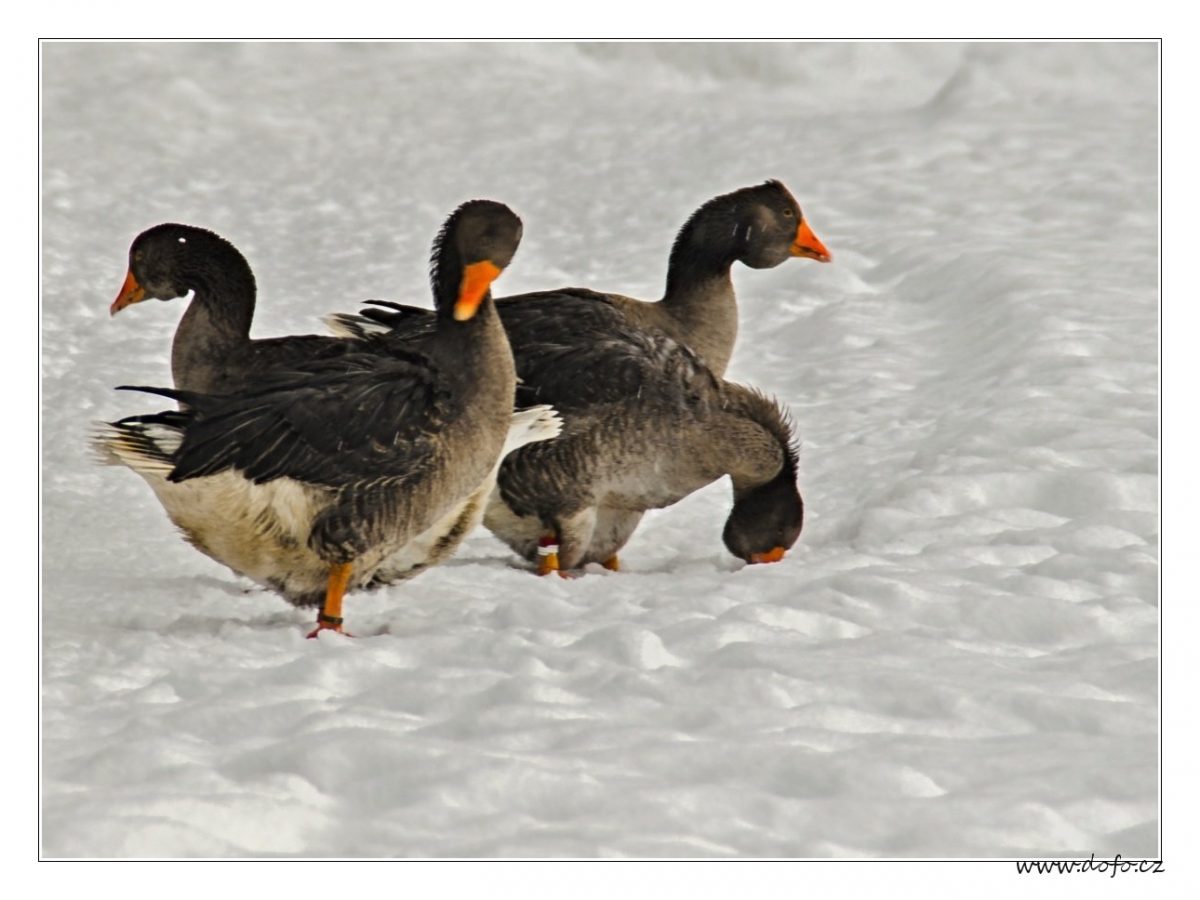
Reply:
x=548, y=555
x=330, y=616
x=612, y=564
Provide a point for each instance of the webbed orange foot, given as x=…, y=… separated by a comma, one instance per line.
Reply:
x=328, y=623
x=548, y=555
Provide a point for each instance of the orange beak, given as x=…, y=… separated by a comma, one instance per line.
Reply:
x=477, y=278
x=774, y=555
x=808, y=244
x=131, y=292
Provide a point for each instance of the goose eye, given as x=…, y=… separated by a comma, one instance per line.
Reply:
x=787, y=213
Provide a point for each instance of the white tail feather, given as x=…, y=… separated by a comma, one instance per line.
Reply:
x=145, y=448
x=537, y=423
x=348, y=325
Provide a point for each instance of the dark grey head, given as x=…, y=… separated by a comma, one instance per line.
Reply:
x=475, y=245
x=768, y=514
x=170, y=260
x=760, y=226
x=766, y=521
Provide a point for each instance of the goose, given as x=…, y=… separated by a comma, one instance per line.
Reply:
x=645, y=424
x=760, y=226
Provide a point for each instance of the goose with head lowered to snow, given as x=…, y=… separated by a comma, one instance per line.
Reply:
x=645, y=423
x=340, y=474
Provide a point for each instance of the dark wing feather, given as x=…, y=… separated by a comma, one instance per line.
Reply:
x=267, y=354
x=358, y=419
x=406, y=322
x=574, y=349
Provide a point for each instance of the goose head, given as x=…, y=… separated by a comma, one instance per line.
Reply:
x=474, y=247
x=766, y=520
x=172, y=260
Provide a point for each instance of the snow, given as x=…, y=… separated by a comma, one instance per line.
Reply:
x=959, y=658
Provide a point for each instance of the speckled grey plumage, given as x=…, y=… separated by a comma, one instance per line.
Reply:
x=623, y=453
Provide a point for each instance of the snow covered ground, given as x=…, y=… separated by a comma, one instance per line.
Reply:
x=958, y=659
